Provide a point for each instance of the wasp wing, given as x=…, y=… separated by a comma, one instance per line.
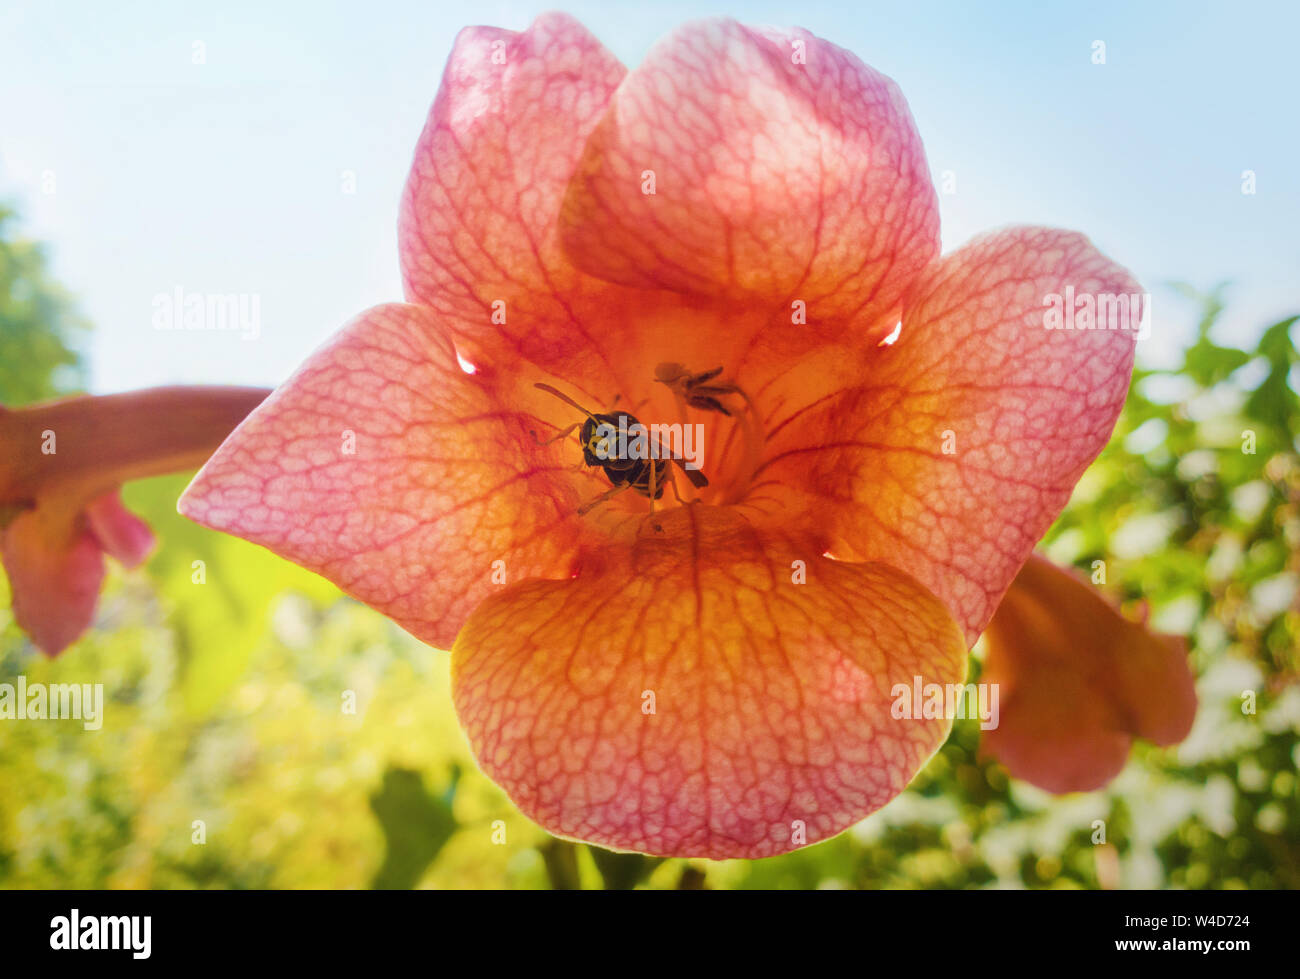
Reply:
x=697, y=478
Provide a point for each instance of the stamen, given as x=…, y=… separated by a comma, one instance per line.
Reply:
x=707, y=391
x=752, y=433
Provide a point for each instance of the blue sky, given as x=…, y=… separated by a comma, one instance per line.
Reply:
x=226, y=176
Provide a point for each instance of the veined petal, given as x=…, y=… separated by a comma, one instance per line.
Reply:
x=385, y=467
x=690, y=698
x=119, y=532
x=783, y=169
x=481, y=217
x=55, y=568
x=478, y=234
x=957, y=446
x=1078, y=682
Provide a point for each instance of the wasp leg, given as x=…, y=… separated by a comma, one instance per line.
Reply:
x=672, y=481
x=653, y=485
x=654, y=488
x=563, y=433
x=591, y=504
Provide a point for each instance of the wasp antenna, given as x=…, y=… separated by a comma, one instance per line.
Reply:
x=563, y=397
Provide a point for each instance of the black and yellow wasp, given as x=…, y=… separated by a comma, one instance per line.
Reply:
x=597, y=437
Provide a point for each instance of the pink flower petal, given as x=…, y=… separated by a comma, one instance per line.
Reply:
x=954, y=449
x=478, y=235
x=784, y=169
x=383, y=466
x=699, y=695
x=55, y=569
x=119, y=532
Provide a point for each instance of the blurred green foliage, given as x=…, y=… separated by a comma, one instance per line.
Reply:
x=263, y=731
x=40, y=328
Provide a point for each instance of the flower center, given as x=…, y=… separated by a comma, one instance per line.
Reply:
x=717, y=429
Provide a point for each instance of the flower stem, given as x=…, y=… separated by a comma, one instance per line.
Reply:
x=95, y=443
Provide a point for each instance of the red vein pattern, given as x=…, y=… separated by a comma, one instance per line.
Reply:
x=1028, y=409
x=775, y=181
x=771, y=699
x=435, y=482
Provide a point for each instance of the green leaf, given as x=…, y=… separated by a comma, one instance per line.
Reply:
x=1208, y=363
x=622, y=871
x=416, y=825
x=1273, y=402
x=1276, y=346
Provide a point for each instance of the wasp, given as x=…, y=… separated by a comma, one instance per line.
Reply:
x=596, y=435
